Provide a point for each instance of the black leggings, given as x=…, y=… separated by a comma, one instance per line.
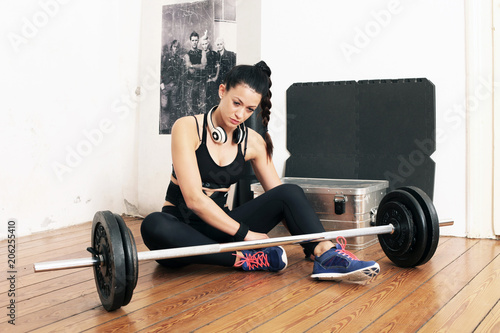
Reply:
x=168, y=229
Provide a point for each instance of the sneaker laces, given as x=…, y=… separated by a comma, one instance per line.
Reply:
x=342, y=242
x=256, y=260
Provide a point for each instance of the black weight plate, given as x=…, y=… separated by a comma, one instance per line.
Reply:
x=131, y=260
x=412, y=256
x=432, y=221
x=400, y=241
x=110, y=275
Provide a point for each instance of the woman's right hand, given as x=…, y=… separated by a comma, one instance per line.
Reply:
x=255, y=236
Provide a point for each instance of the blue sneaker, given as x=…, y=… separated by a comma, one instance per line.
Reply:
x=271, y=259
x=338, y=264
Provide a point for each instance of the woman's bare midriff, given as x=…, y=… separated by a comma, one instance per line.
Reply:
x=208, y=191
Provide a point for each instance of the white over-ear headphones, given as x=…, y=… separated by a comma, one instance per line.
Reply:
x=219, y=135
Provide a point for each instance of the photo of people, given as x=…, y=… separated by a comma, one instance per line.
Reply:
x=194, y=58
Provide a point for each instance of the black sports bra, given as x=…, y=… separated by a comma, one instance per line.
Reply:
x=212, y=175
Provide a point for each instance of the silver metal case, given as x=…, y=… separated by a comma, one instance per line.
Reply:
x=341, y=203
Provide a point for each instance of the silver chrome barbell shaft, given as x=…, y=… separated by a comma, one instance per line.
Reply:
x=261, y=243
x=66, y=264
x=446, y=223
x=219, y=248
x=226, y=247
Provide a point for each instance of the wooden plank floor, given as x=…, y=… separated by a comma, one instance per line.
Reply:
x=457, y=291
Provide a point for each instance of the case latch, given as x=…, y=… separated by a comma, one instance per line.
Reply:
x=339, y=201
x=373, y=216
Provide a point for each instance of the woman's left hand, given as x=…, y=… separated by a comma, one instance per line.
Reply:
x=255, y=236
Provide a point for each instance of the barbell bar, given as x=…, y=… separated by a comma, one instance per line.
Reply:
x=189, y=251
x=217, y=248
x=406, y=223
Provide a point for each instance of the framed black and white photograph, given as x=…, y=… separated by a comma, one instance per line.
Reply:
x=197, y=40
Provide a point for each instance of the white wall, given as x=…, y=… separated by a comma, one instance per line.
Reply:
x=327, y=40
x=479, y=119
x=154, y=149
x=496, y=120
x=68, y=136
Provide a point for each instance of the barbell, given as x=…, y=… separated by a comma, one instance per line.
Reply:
x=406, y=223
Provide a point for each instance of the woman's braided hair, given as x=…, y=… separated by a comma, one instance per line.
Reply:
x=257, y=77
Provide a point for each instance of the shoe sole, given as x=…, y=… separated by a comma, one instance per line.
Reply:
x=283, y=258
x=355, y=276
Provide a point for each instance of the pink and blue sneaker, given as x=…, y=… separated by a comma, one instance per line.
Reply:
x=338, y=264
x=271, y=259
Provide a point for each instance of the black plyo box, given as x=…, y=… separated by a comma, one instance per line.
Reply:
x=369, y=129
